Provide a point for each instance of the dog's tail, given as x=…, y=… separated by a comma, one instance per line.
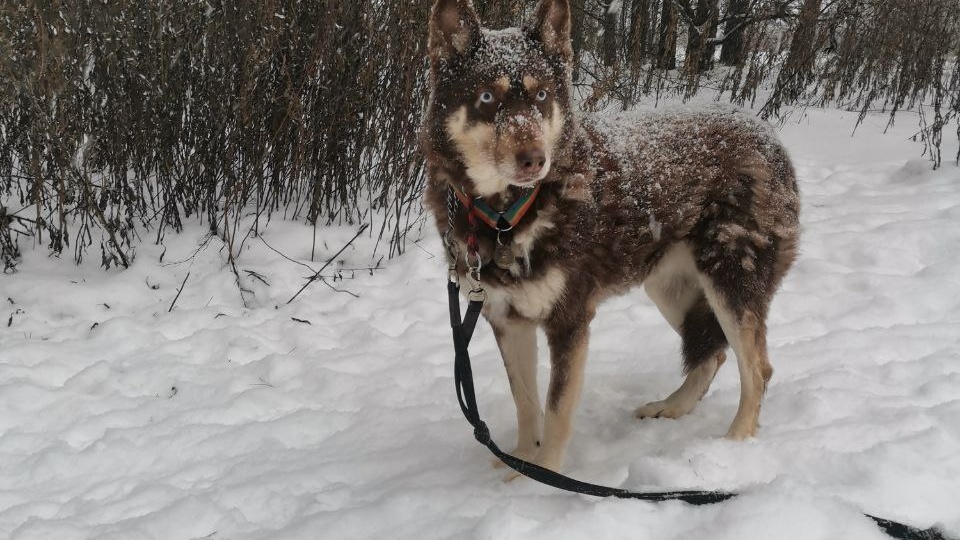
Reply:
x=702, y=336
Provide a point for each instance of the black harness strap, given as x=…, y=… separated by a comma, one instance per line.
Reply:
x=463, y=377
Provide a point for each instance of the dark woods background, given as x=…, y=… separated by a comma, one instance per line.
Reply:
x=119, y=120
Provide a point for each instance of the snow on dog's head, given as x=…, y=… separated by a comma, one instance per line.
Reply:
x=501, y=98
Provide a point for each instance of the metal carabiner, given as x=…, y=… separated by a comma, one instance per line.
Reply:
x=474, y=269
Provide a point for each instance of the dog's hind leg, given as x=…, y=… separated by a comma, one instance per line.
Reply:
x=746, y=333
x=703, y=344
x=744, y=243
x=674, y=289
x=738, y=275
x=517, y=339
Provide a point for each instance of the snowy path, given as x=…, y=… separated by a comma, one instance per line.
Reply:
x=119, y=420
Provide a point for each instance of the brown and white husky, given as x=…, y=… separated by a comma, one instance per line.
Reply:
x=700, y=206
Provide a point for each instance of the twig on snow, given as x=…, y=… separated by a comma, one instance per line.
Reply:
x=280, y=253
x=324, y=281
x=180, y=290
x=316, y=276
x=258, y=276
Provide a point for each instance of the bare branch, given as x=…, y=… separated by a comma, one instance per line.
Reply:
x=316, y=275
x=180, y=290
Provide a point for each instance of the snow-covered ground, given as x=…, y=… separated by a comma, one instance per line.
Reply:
x=334, y=417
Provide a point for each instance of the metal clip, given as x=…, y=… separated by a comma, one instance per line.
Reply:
x=473, y=270
x=453, y=255
x=477, y=295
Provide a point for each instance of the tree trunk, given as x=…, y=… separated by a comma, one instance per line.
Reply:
x=731, y=53
x=699, y=33
x=667, y=47
x=609, y=46
x=576, y=34
x=639, y=31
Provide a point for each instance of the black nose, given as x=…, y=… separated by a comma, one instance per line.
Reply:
x=531, y=160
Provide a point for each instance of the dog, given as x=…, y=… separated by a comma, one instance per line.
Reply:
x=700, y=206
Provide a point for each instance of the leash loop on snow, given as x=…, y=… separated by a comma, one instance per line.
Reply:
x=466, y=395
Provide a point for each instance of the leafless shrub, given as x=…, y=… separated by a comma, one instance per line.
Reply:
x=119, y=118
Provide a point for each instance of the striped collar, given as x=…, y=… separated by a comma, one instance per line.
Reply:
x=501, y=221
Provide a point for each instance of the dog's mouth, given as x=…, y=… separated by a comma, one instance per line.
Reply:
x=526, y=179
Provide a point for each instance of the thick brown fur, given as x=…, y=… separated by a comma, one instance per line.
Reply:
x=700, y=206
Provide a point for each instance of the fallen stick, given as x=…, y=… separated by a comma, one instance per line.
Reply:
x=316, y=275
x=180, y=290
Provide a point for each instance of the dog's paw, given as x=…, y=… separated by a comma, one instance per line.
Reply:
x=511, y=476
x=552, y=462
x=526, y=454
x=661, y=409
x=742, y=430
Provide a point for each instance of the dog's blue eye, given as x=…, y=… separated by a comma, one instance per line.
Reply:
x=541, y=95
x=486, y=97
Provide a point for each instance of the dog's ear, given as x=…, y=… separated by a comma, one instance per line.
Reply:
x=454, y=29
x=552, y=27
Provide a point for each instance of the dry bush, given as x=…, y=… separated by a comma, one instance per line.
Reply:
x=119, y=118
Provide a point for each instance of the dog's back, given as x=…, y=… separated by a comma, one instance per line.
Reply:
x=715, y=177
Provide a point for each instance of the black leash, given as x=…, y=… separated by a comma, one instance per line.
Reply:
x=463, y=377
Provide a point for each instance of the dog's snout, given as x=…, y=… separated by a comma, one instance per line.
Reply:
x=531, y=160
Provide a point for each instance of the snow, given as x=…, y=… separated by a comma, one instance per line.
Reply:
x=121, y=420
x=615, y=7
x=661, y=121
x=660, y=126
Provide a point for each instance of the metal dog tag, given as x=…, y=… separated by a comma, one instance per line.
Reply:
x=503, y=256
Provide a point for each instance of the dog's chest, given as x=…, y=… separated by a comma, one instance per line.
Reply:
x=533, y=298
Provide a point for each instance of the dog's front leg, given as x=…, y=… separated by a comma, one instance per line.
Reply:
x=568, y=354
x=517, y=339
